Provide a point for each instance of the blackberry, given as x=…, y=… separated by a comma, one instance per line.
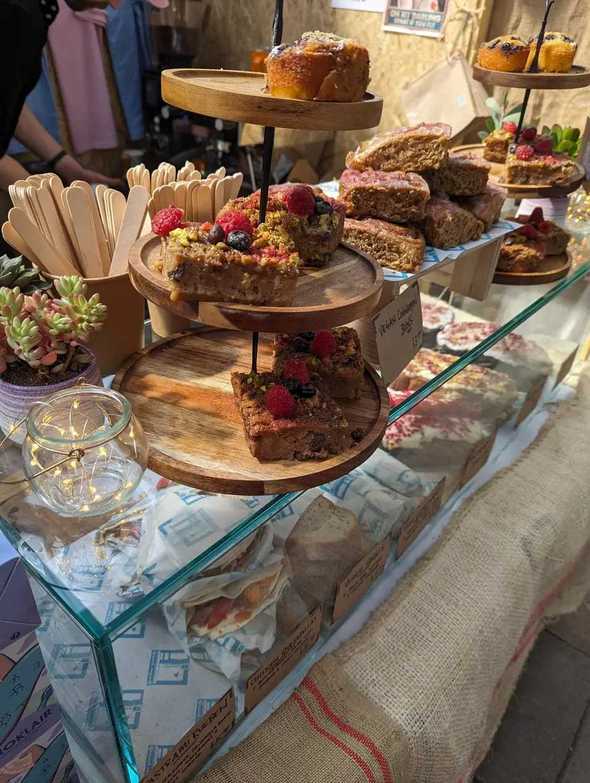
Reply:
x=217, y=234
x=292, y=384
x=307, y=336
x=306, y=391
x=177, y=273
x=322, y=207
x=239, y=240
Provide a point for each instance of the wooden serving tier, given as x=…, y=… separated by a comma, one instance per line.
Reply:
x=181, y=391
x=576, y=78
x=517, y=191
x=347, y=289
x=240, y=96
x=552, y=268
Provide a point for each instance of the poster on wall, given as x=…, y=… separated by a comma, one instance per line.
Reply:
x=416, y=17
x=360, y=5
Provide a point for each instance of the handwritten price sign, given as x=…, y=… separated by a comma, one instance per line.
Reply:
x=399, y=333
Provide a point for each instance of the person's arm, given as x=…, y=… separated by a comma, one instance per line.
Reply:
x=34, y=137
x=10, y=172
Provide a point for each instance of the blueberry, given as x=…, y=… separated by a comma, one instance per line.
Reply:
x=306, y=391
x=301, y=345
x=217, y=234
x=239, y=240
x=176, y=274
x=307, y=336
x=322, y=207
x=292, y=384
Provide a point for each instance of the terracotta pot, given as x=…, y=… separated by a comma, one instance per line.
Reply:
x=123, y=331
x=16, y=401
x=164, y=323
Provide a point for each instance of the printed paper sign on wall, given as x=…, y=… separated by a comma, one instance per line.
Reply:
x=416, y=17
x=360, y=5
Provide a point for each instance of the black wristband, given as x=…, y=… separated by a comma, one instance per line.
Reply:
x=51, y=164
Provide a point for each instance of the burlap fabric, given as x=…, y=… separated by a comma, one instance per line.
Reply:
x=416, y=696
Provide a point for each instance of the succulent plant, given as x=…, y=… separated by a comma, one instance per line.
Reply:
x=44, y=332
x=566, y=140
x=14, y=273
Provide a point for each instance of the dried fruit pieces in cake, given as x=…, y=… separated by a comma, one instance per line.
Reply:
x=462, y=175
x=319, y=66
x=332, y=357
x=312, y=427
x=446, y=224
x=486, y=207
x=421, y=148
x=389, y=195
x=257, y=268
x=504, y=53
x=395, y=247
x=313, y=221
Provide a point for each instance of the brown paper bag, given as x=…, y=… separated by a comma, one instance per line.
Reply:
x=445, y=93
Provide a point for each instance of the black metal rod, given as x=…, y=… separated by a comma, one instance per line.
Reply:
x=255, y=352
x=535, y=64
x=269, y=133
x=525, y=103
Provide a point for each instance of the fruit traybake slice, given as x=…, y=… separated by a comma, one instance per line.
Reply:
x=555, y=239
x=332, y=357
x=281, y=424
x=527, y=166
x=231, y=261
x=396, y=196
x=313, y=221
x=400, y=248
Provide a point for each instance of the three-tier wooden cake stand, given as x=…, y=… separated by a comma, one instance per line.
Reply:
x=180, y=388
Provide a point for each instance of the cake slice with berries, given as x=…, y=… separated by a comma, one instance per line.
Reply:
x=297, y=423
x=231, y=261
x=496, y=144
x=331, y=358
x=531, y=165
x=522, y=250
x=313, y=221
x=555, y=239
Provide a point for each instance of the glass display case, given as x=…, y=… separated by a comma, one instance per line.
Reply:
x=183, y=618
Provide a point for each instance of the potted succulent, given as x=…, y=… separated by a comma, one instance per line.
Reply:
x=14, y=273
x=42, y=345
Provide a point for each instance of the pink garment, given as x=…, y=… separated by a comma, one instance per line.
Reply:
x=74, y=40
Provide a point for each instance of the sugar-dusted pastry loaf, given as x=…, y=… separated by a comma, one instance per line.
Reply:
x=319, y=67
x=446, y=224
x=487, y=206
x=463, y=174
x=417, y=149
x=395, y=247
x=390, y=195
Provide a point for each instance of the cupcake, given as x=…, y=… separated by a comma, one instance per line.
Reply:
x=557, y=53
x=505, y=53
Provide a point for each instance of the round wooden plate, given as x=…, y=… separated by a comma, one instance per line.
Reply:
x=181, y=391
x=576, y=78
x=347, y=289
x=516, y=191
x=240, y=96
x=552, y=268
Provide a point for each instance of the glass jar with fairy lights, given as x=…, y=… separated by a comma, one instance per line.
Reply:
x=84, y=452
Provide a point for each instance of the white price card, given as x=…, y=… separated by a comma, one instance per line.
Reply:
x=360, y=5
x=398, y=329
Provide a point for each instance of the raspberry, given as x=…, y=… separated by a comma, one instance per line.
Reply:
x=299, y=200
x=525, y=152
x=280, y=402
x=234, y=221
x=536, y=216
x=544, y=145
x=510, y=127
x=528, y=231
x=544, y=226
x=528, y=134
x=296, y=369
x=323, y=344
x=166, y=220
